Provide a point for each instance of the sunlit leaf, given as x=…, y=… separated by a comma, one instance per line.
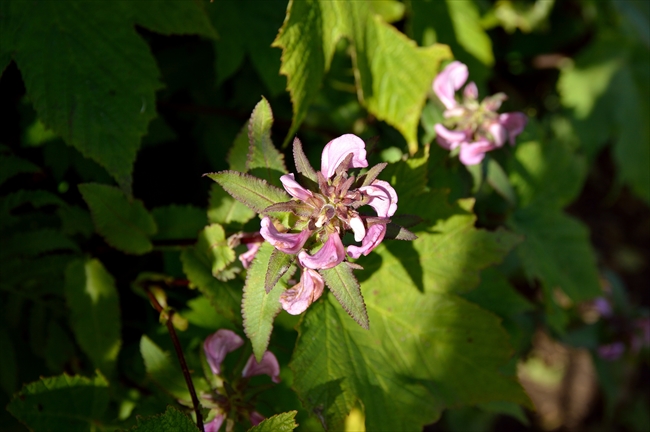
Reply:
x=164, y=369
x=256, y=193
x=280, y=422
x=172, y=420
x=224, y=209
x=345, y=288
x=264, y=160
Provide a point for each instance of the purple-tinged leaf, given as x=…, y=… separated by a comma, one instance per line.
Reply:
x=372, y=174
x=297, y=208
x=302, y=163
x=345, y=288
x=255, y=193
x=396, y=232
x=279, y=263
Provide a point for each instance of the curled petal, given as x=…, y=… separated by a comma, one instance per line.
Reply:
x=447, y=139
x=448, y=81
x=247, y=257
x=330, y=255
x=499, y=133
x=297, y=299
x=514, y=123
x=372, y=239
x=294, y=188
x=473, y=153
x=215, y=424
x=383, y=197
x=338, y=149
x=471, y=91
x=256, y=418
x=268, y=366
x=286, y=242
x=217, y=345
x=358, y=228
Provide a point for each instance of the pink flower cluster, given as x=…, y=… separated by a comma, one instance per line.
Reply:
x=472, y=127
x=327, y=212
x=216, y=346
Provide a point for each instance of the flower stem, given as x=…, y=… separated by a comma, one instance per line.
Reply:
x=181, y=358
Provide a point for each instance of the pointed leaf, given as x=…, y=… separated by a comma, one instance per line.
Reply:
x=498, y=179
x=259, y=308
x=396, y=232
x=345, y=288
x=279, y=263
x=125, y=225
x=164, y=369
x=264, y=160
x=302, y=163
x=224, y=209
x=372, y=173
x=94, y=312
x=255, y=193
x=278, y=423
x=295, y=207
x=62, y=403
x=238, y=154
x=172, y=420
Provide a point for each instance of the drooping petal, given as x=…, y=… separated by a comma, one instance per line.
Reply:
x=473, y=153
x=268, y=366
x=286, y=242
x=217, y=345
x=471, y=91
x=256, y=418
x=330, y=255
x=338, y=149
x=297, y=299
x=447, y=139
x=215, y=424
x=373, y=237
x=383, y=197
x=247, y=257
x=358, y=228
x=498, y=132
x=294, y=188
x=448, y=81
x=514, y=122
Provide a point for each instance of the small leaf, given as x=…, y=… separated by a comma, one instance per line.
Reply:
x=224, y=209
x=164, y=370
x=172, y=420
x=35, y=242
x=213, y=247
x=372, y=173
x=259, y=308
x=279, y=263
x=11, y=166
x=94, y=312
x=62, y=403
x=178, y=222
x=396, y=232
x=302, y=163
x=345, y=288
x=256, y=193
x=238, y=154
x=125, y=225
x=283, y=422
x=264, y=160
x=75, y=220
x=498, y=179
x=295, y=207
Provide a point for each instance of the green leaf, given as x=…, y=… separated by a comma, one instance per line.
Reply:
x=238, y=154
x=172, y=420
x=35, y=242
x=94, y=312
x=75, y=220
x=255, y=193
x=213, y=247
x=8, y=370
x=557, y=251
x=62, y=403
x=264, y=160
x=278, y=264
x=386, y=62
x=178, y=222
x=11, y=166
x=225, y=299
x=173, y=17
x=164, y=370
x=345, y=288
x=498, y=179
x=125, y=224
x=497, y=295
x=302, y=163
x=259, y=308
x=224, y=209
x=37, y=198
x=284, y=422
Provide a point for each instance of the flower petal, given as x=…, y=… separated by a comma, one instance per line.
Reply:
x=358, y=228
x=247, y=257
x=373, y=238
x=330, y=255
x=338, y=149
x=471, y=91
x=217, y=345
x=294, y=188
x=447, y=139
x=514, y=123
x=448, y=81
x=286, y=242
x=268, y=366
x=256, y=418
x=473, y=153
x=297, y=299
x=498, y=132
x=215, y=424
x=383, y=197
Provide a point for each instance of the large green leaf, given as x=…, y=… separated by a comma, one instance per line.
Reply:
x=224, y=209
x=264, y=160
x=125, y=224
x=256, y=193
x=62, y=403
x=35, y=242
x=172, y=420
x=393, y=75
x=11, y=166
x=94, y=311
x=99, y=92
x=178, y=222
x=164, y=369
x=278, y=423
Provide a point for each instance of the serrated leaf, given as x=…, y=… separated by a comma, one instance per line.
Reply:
x=302, y=163
x=172, y=420
x=255, y=193
x=259, y=308
x=125, y=225
x=264, y=160
x=224, y=209
x=11, y=166
x=37, y=198
x=278, y=264
x=164, y=369
x=214, y=248
x=173, y=17
x=345, y=288
x=225, y=299
x=372, y=173
x=283, y=422
x=238, y=154
x=94, y=312
x=35, y=242
x=75, y=220
x=61, y=403
x=178, y=222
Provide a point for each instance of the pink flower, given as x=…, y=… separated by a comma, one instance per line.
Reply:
x=293, y=187
x=215, y=424
x=297, y=299
x=217, y=345
x=256, y=418
x=330, y=255
x=285, y=242
x=473, y=153
x=514, y=123
x=372, y=239
x=447, y=139
x=338, y=149
x=383, y=197
x=268, y=366
x=247, y=257
x=448, y=81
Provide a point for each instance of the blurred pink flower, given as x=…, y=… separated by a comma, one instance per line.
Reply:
x=217, y=345
x=297, y=299
x=268, y=366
